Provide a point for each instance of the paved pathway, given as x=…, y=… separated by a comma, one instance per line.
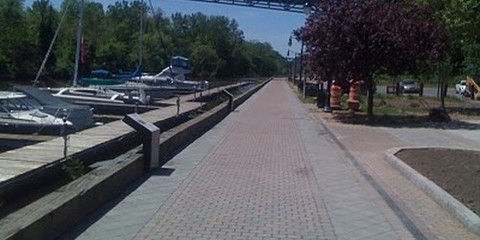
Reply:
x=271, y=170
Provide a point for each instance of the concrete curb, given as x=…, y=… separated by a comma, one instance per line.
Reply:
x=468, y=218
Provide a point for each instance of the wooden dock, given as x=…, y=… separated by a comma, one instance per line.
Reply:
x=23, y=160
x=195, y=96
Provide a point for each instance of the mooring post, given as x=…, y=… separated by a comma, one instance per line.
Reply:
x=230, y=99
x=178, y=105
x=65, y=137
x=150, y=136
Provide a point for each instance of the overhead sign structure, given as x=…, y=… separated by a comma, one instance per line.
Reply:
x=300, y=6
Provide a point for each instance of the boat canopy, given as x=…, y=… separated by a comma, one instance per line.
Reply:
x=182, y=62
x=100, y=73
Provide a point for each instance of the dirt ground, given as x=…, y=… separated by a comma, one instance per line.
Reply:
x=456, y=171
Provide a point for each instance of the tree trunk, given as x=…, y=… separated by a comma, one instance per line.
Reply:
x=370, y=93
x=442, y=95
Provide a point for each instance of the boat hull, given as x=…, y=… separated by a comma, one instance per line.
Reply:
x=152, y=91
x=100, y=81
x=32, y=128
x=80, y=116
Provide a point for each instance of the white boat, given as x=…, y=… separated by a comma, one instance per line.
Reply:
x=100, y=94
x=172, y=78
x=80, y=116
x=22, y=114
x=132, y=88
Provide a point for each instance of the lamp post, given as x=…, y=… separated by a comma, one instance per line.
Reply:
x=307, y=9
x=294, y=69
x=327, y=107
x=303, y=81
x=288, y=54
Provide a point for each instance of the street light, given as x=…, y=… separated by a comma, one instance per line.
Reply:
x=304, y=82
x=307, y=8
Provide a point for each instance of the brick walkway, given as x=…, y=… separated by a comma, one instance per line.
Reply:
x=269, y=171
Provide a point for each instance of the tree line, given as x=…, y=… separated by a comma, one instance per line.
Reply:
x=112, y=39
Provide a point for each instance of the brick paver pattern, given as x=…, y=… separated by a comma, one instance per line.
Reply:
x=253, y=185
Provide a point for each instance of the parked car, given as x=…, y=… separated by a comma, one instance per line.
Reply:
x=409, y=86
x=461, y=87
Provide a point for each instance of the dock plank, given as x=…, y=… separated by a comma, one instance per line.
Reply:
x=35, y=155
x=5, y=163
x=14, y=170
x=5, y=177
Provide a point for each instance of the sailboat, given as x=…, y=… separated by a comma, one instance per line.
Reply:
x=96, y=93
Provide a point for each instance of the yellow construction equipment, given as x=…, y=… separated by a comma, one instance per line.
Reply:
x=473, y=86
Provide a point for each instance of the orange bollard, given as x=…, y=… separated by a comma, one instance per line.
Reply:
x=335, y=96
x=354, y=97
x=354, y=93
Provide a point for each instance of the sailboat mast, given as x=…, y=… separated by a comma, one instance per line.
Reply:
x=140, y=62
x=79, y=37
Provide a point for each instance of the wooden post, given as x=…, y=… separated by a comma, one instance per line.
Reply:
x=178, y=106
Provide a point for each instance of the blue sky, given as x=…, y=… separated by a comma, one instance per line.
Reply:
x=262, y=25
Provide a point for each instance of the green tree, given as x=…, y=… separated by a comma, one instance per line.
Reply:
x=112, y=40
x=42, y=22
x=14, y=47
x=66, y=42
x=241, y=62
x=265, y=61
x=206, y=61
x=463, y=22
x=120, y=49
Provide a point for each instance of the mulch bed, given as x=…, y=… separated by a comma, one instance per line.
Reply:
x=456, y=171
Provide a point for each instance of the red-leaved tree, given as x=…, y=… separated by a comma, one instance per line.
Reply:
x=361, y=38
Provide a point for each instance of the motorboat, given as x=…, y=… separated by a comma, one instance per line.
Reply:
x=24, y=115
x=178, y=69
x=80, y=116
x=132, y=88
x=173, y=77
x=99, y=94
